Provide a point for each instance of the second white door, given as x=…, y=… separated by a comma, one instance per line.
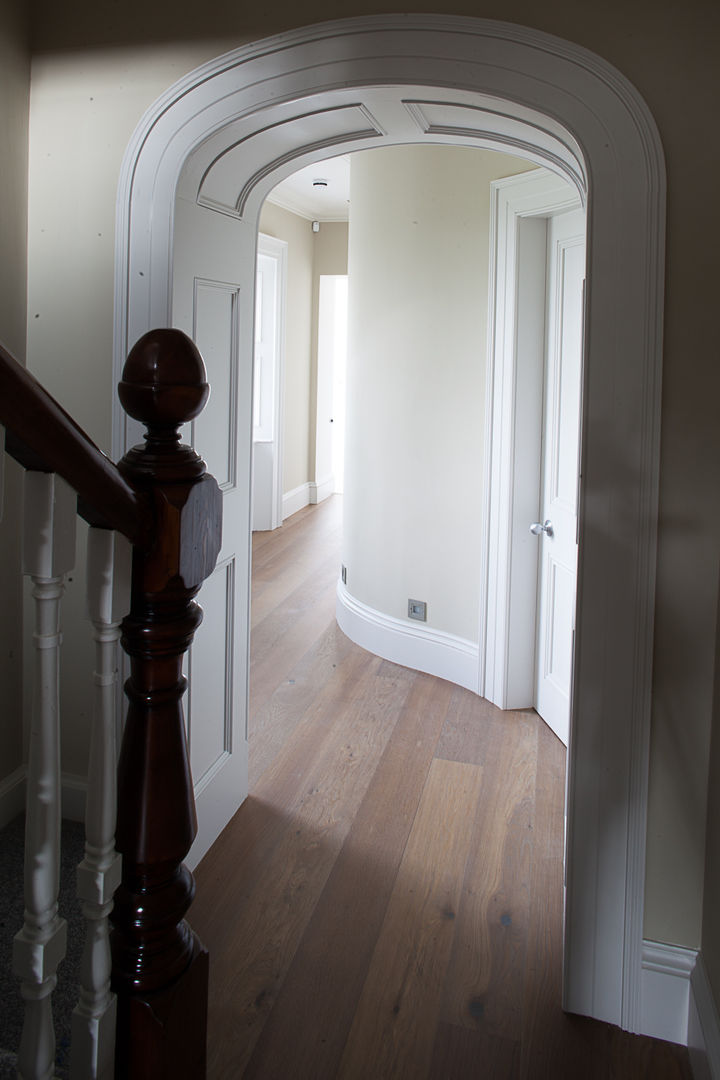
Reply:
x=557, y=525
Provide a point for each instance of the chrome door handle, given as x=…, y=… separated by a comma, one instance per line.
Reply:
x=538, y=527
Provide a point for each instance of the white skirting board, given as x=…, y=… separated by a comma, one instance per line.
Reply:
x=665, y=990
x=295, y=500
x=321, y=489
x=412, y=644
x=12, y=796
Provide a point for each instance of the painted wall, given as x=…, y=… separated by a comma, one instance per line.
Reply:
x=14, y=104
x=417, y=345
x=98, y=65
x=297, y=435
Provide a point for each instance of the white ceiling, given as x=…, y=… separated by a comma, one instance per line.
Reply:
x=302, y=195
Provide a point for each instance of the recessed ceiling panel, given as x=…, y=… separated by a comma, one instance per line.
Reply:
x=494, y=130
x=232, y=175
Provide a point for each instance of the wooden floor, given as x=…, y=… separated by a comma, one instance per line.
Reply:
x=387, y=903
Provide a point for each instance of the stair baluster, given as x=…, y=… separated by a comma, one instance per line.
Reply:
x=98, y=876
x=48, y=554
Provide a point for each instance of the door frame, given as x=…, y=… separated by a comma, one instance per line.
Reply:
x=325, y=483
x=277, y=250
x=513, y=432
x=560, y=105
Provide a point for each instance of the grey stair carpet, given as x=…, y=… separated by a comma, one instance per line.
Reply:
x=11, y=920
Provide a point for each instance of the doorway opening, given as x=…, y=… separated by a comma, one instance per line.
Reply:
x=265, y=108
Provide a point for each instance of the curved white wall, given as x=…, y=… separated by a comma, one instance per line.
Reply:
x=417, y=266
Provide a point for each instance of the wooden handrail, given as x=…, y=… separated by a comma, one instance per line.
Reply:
x=162, y=498
x=41, y=436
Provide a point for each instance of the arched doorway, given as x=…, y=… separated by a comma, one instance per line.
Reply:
x=243, y=121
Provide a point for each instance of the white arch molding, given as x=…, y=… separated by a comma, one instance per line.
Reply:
x=306, y=94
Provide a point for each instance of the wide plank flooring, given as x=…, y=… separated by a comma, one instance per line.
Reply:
x=387, y=902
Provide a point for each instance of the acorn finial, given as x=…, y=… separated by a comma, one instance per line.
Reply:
x=164, y=382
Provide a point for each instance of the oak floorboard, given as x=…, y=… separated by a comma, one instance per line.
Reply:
x=280, y=646
x=485, y=978
x=461, y=1053
x=394, y=1026
x=261, y=939
x=298, y=898
x=272, y=720
x=324, y=982
x=297, y=534
x=283, y=577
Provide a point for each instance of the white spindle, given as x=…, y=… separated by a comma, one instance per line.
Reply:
x=48, y=554
x=93, y=1022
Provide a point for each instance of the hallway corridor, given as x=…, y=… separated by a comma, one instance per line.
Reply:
x=387, y=902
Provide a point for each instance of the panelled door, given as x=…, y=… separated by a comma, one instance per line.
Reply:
x=557, y=528
x=213, y=304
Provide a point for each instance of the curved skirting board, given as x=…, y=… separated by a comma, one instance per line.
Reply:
x=420, y=647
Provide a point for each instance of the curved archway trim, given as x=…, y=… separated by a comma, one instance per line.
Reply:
x=606, y=128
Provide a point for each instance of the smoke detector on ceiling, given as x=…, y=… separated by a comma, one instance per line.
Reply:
x=319, y=183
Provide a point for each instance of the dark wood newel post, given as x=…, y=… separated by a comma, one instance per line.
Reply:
x=160, y=968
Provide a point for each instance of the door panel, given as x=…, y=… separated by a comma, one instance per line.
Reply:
x=213, y=304
x=561, y=448
x=215, y=332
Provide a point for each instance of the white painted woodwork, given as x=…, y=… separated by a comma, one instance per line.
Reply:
x=296, y=499
x=211, y=306
x=268, y=378
x=339, y=384
x=38, y=948
x=481, y=83
x=331, y=366
x=666, y=989
x=412, y=644
x=215, y=332
x=520, y=208
x=561, y=453
x=109, y=563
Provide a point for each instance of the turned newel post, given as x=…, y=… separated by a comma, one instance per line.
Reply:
x=159, y=965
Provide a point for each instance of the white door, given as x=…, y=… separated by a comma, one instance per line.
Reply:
x=210, y=305
x=267, y=384
x=557, y=528
x=331, y=365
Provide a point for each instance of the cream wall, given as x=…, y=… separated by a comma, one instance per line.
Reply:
x=98, y=65
x=14, y=102
x=417, y=345
x=283, y=225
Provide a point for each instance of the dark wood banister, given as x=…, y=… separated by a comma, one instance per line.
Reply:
x=161, y=497
x=41, y=436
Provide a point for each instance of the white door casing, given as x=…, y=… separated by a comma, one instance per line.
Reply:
x=520, y=208
x=243, y=121
x=557, y=543
x=269, y=367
